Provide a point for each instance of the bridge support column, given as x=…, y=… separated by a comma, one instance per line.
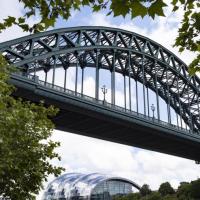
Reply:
x=76, y=78
x=148, y=101
x=45, y=80
x=180, y=107
x=136, y=91
x=82, y=80
x=129, y=68
x=124, y=90
x=190, y=116
x=143, y=74
x=168, y=103
x=113, y=80
x=157, y=97
x=54, y=67
x=97, y=76
x=65, y=79
x=177, y=119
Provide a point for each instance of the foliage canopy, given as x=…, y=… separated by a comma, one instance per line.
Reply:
x=165, y=189
x=25, y=148
x=186, y=191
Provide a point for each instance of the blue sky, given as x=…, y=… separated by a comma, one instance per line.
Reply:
x=84, y=154
x=79, y=19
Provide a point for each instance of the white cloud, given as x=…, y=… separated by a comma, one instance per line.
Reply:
x=84, y=154
x=15, y=9
x=10, y=8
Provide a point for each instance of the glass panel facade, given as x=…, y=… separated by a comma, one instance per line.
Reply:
x=110, y=189
x=76, y=186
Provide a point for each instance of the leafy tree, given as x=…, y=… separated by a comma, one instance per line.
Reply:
x=145, y=190
x=186, y=191
x=170, y=197
x=195, y=189
x=183, y=192
x=165, y=189
x=25, y=151
x=135, y=196
x=48, y=11
x=153, y=196
x=131, y=196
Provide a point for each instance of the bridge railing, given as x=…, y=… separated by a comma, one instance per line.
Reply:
x=101, y=102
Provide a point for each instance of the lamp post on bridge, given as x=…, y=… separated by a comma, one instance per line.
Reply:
x=104, y=90
x=153, y=109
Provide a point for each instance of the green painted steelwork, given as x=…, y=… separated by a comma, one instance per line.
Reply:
x=135, y=57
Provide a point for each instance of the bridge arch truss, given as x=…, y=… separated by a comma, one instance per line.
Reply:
x=133, y=56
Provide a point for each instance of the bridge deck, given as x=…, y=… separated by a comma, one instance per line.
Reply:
x=86, y=116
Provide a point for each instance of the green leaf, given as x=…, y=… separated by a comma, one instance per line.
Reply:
x=138, y=9
x=192, y=70
x=85, y=2
x=181, y=49
x=120, y=7
x=21, y=20
x=2, y=26
x=9, y=21
x=174, y=2
x=49, y=22
x=156, y=8
x=25, y=27
x=96, y=8
x=175, y=8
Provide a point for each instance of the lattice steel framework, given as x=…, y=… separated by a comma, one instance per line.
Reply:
x=128, y=53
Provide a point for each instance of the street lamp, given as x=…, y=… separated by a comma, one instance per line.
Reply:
x=153, y=109
x=104, y=90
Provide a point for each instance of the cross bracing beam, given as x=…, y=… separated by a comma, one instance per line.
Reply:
x=111, y=44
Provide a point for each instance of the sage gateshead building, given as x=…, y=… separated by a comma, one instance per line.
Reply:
x=77, y=186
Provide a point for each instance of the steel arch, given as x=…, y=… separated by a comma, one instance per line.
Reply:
x=116, y=50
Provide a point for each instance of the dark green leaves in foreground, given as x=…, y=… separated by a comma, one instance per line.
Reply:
x=49, y=11
x=25, y=145
x=189, y=32
x=138, y=8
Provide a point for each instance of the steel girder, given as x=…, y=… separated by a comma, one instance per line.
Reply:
x=116, y=50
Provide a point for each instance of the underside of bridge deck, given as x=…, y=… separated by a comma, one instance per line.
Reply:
x=98, y=121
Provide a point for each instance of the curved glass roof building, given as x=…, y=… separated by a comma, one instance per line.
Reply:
x=76, y=186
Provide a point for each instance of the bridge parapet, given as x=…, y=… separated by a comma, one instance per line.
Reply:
x=106, y=104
